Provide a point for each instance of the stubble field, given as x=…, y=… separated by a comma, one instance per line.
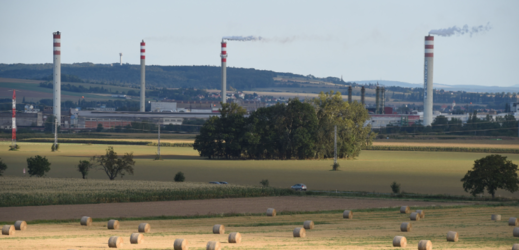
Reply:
x=369, y=229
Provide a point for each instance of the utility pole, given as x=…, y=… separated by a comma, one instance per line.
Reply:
x=335, y=147
x=158, y=144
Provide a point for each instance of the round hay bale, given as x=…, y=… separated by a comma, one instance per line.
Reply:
x=144, y=228
x=136, y=238
x=516, y=231
x=515, y=247
x=115, y=242
x=496, y=217
x=180, y=244
x=347, y=214
x=404, y=209
x=8, y=230
x=213, y=245
x=421, y=213
x=452, y=236
x=235, y=237
x=20, y=225
x=299, y=232
x=513, y=222
x=399, y=241
x=308, y=224
x=415, y=216
x=86, y=221
x=425, y=245
x=218, y=229
x=406, y=227
x=271, y=212
x=113, y=224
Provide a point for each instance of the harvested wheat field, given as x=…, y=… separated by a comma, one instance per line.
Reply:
x=373, y=229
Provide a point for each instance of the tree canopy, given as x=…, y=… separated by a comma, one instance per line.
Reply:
x=113, y=165
x=38, y=165
x=491, y=172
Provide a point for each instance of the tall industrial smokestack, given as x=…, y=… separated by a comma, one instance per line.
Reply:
x=428, y=81
x=14, y=119
x=143, y=76
x=57, y=77
x=377, y=101
x=362, y=94
x=120, y=59
x=224, y=71
x=349, y=94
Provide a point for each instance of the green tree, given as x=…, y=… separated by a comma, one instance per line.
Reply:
x=350, y=118
x=83, y=167
x=38, y=166
x=3, y=167
x=99, y=127
x=491, y=172
x=113, y=165
x=179, y=177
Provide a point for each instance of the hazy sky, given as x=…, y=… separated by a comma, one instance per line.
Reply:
x=361, y=40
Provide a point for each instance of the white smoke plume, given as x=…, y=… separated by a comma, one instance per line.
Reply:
x=242, y=38
x=455, y=30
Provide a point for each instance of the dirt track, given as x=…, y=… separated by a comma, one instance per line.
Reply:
x=199, y=207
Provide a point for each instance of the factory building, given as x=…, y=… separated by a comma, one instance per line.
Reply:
x=22, y=120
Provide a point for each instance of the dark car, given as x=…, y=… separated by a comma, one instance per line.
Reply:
x=299, y=187
x=223, y=182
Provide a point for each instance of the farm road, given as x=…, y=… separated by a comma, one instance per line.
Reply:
x=199, y=207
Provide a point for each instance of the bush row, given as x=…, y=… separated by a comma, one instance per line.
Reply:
x=40, y=199
x=167, y=144
x=446, y=149
x=86, y=141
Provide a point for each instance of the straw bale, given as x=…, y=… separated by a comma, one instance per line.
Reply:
x=218, y=229
x=513, y=222
x=144, y=228
x=113, y=224
x=271, y=212
x=452, y=236
x=86, y=221
x=20, y=225
x=399, y=241
x=406, y=227
x=136, y=238
x=309, y=224
x=8, y=230
x=235, y=237
x=347, y=214
x=515, y=247
x=213, y=245
x=516, y=231
x=425, y=245
x=299, y=232
x=115, y=242
x=180, y=244
x=496, y=217
x=404, y=210
x=415, y=216
x=421, y=213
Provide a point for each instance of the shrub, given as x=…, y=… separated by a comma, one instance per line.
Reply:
x=395, y=187
x=265, y=183
x=38, y=165
x=3, y=167
x=54, y=147
x=335, y=166
x=84, y=167
x=179, y=177
x=14, y=148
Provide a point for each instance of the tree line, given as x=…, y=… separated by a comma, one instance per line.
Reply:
x=296, y=130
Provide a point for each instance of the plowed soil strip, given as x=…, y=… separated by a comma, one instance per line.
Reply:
x=200, y=207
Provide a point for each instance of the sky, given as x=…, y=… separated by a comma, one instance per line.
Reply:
x=358, y=40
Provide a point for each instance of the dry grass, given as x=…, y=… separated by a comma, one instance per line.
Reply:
x=368, y=230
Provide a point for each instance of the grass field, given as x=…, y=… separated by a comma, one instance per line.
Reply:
x=417, y=172
x=369, y=229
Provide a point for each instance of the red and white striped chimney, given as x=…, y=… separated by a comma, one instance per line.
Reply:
x=223, y=55
x=14, y=118
x=143, y=77
x=428, y=81
x=57, y=76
